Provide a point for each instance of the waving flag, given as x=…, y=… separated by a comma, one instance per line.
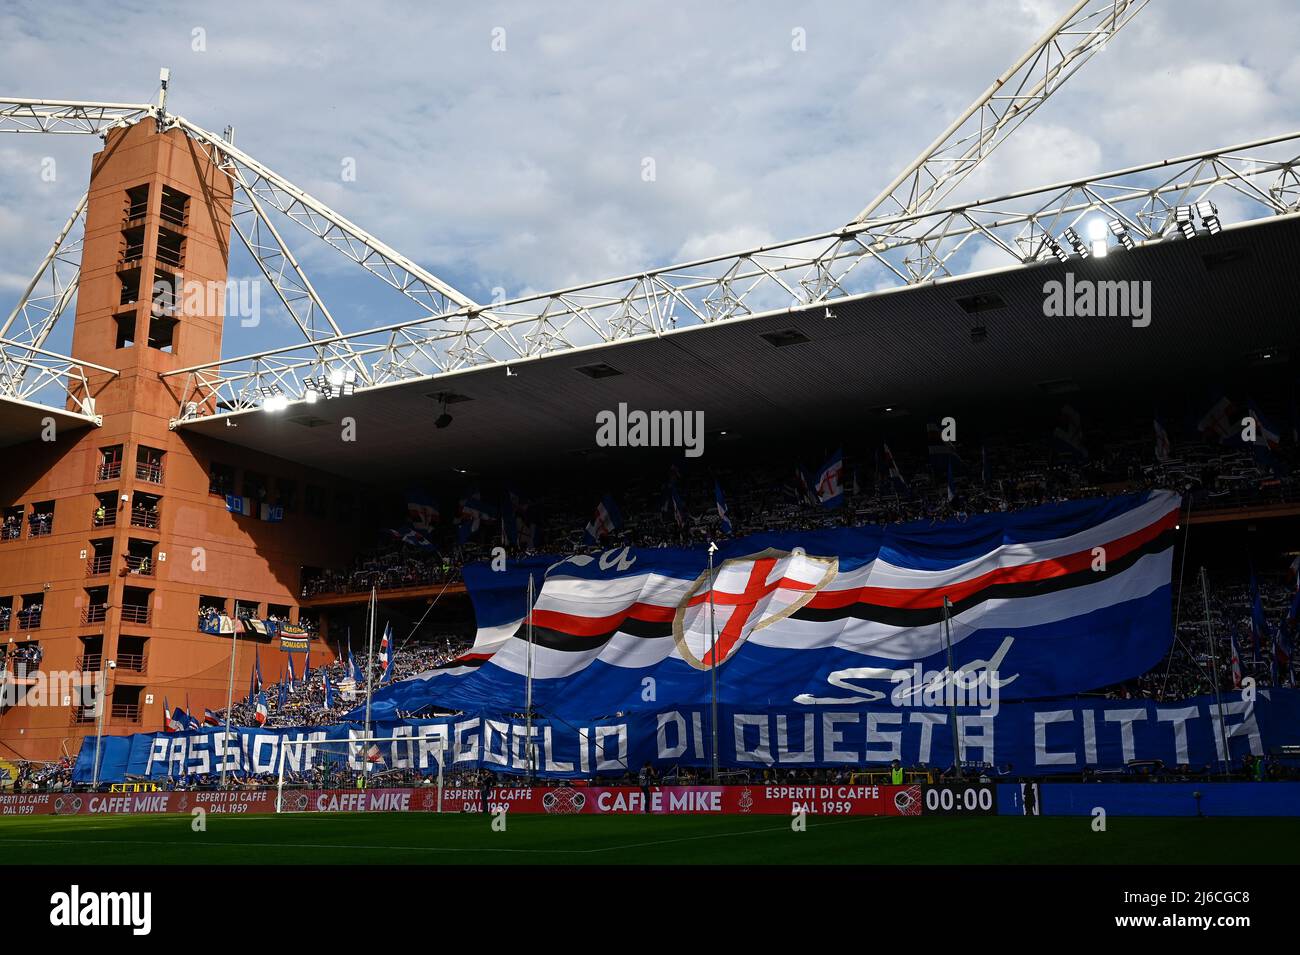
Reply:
x=1236, y=656
x=170, y=723
x=1069, y=434
x=1162, y=441
x=387, y=653
x=607, y=520
x=210, y=718
x=1266, y=435
x=291, y=678
x=1217, y=422
x=673, y=502
x=835, y=617
x=282, y=698
x=724, y=517
x=260, y=714
x=895, y=475
x=421, y=511
x=329, y=689
x=830, y=481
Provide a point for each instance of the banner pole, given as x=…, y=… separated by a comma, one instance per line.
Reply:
x=713, y=666
x=952, y=683
x=370, y=671
x=1214, y=669
x=528, y=688
x=230, y=697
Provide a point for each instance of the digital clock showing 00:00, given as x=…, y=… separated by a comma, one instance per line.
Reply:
x=961, y=799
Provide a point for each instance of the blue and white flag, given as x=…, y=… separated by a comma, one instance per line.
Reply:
x=895, y=475
x=608, y=519
x=724, y=517
x=237, y=504
x=830, y=481
x=836, y=617
x=421, y=511
x=387, y=653
x=261, y=712
x=291, y=677
x=329, y=689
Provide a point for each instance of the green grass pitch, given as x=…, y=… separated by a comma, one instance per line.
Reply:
x=430, y=839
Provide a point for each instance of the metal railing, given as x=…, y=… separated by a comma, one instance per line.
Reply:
x=140, y=517
x=142, y=566
x=129, y=712
x=135, y=662
x=90, y=662
x=133, y=613
x=153, y=473
x=108, y=520
x=94, y=613
x=110, y=471
x=99, y=565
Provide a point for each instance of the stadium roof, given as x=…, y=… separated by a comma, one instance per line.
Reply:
x=1218, y=303
x=22, y=421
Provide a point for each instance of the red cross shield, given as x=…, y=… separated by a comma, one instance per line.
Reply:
x=748, y=593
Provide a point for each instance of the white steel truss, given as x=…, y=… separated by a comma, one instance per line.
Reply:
x=373, y=255
x=999, y=110
x=32, y=374
x=68, y=116
x=1255, y=179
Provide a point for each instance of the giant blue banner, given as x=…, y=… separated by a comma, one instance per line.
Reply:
x=1045, y=602
x=1029, y=738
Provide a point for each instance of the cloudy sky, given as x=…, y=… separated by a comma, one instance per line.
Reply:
x=521, y=169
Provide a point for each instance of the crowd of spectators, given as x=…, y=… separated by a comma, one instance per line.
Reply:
x=1012, y=472
x=42, y=777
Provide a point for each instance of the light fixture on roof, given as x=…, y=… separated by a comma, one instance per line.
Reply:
x=1120, y=231
x=1057, y=251
x=1097, y=238
x=1183, y=219
x=443, y=419
x=273, y=398
x=1076, y=243
x=1209, y=214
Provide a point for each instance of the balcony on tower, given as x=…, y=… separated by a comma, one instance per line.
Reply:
x=105, y=512
x=100, y=559
x=11, y=525
x=40, y=523
x=110, y=463
x=96, y=609
x=136, y=605
x=145, y=510
x=33, y=609
x=140, y=558
x=149, y=465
